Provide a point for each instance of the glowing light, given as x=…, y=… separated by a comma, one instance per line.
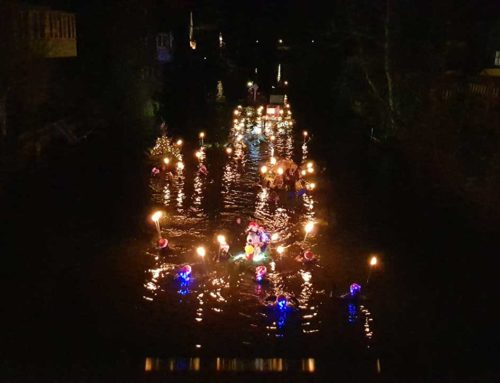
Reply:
x=273, y=160
x=310, y=165
x=273, y=138
x=260, y=272
x=373, y=261
x=229, y=150
x=239, y=137
x=275, y=237
x=166, y=160
x=280, y=250
x=280, y=171
x=309, y=227
x=305, y=133
x=180, y=165
x=259, y=257
x=201, y=251
x=311, y=186
x=354, y=289
x=310, y=170
x=179, y=142
x=258, y=130
x=249, y=83
x=198, y=154
x=280, y=41
x=303, y=172
x=221, y=239
x=202, y=134
x=286, y=82
x=156, y=216
x=281, y=302
x=263, y=169
x=236, y=112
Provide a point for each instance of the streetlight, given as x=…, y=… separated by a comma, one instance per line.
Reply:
x=373, y=262
x=305, y=133
x=155, y=217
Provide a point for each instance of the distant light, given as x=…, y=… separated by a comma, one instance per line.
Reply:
x=312, y=41
x=198, y=154
x=201, y=251
x=280, y=171
x=249, y=83
x=156, y=216
x=309, y=227
x=303, y=172
x=202, y=134
x=282, y=302
x=205, y=57
x=373, y=261
x=280, y=41
x=354, y=289
x=166, y=160
x=179, y=142
x=256, y=41
x=275, y=237
x=258, y=130
x=273, y=160
x=310, y=170
x=280, y=250
x=273, y=138
x=180, y=165
x=286, y=82
x=263, y=169
x=229, y=150
x=221, y=239
x=305, y=133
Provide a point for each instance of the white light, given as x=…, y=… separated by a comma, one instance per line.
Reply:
x=166, y=160
x=156, y=216
x=202, y=134
x=263, y=169
x=310, y=170
x=249, y=83
x=273, y=138
x=229, y=150
x=303, y=172
x=286, y=82
x=258, y=130
x=221, y=239
x=273, y=160
x=201, y=251
x=373, y=261
x=280, y=171
x=280, y=250
x=280, y=41
x=180, y=165
x=305, y=133
x=198, y=155
x=179, y=142
x=309, y=165
x=275, y=237
x=309, y=227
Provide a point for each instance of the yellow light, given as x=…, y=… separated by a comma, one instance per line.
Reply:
x=221, y=239
x=239, y=138
x=309, y=165
x=179, y=142
x=236, y=112
x=202, y=134
x=201, y=251
x=286, y=82
x=156, y=216
x=303, y=172
x=305, y=133
x=280, y=250
x=180, y=165
x=273, y=138
x=229, y=150
x=309, y=227
x=166, y=160
x=198, y=154
x=249, y=83
x=236, y=121
x=280, y=171
x=310, y=170
x=281, y=112
x=373, y=261
x=312, y=186
x=273, y=160
x=275, y=237
x=263, y=169
x=280, y=41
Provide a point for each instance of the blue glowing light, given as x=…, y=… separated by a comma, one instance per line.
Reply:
x=282, y=303
x=354, y=289
x=352, y=310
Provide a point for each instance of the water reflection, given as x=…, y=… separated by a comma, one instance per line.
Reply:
x=224, y=298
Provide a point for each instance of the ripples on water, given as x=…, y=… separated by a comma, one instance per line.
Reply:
x=222, y=302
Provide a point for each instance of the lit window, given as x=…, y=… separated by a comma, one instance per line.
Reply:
x=497, y=58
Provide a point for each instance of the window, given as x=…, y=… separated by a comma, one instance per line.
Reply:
x=497, y=58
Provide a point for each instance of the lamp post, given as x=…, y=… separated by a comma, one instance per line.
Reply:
x=202, y=136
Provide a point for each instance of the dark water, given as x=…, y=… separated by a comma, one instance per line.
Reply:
x=89, y=296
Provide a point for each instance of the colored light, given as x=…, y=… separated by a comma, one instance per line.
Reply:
x=166, y=160
x=282, y=302
x=156, y=216
x=263, y=169
x=373, y=261
x=354, y=289
x=201, y=251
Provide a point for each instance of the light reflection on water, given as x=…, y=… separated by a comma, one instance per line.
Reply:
x=224, y=296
